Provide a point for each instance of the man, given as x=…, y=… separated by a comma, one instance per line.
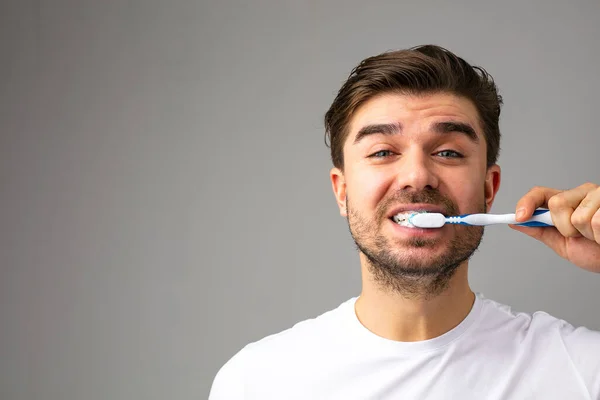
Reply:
x=417, y=130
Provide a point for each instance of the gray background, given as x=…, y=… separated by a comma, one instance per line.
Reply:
x=164, y=183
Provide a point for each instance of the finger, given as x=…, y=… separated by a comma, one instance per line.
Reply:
x=582, y=216
x=535, y=198
x=562, y=206
x=596, y=226
x=551, y=237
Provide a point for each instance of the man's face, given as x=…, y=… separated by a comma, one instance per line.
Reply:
x=409, y=153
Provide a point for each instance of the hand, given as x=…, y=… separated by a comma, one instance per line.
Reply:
x=576, y=216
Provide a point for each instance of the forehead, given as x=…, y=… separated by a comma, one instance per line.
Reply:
x=411, y=110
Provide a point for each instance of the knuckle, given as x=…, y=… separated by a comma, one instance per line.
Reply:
x=596, y=222
x=579, y=219
x=586, y=201
x=590, y=199
x=557, y=202
x=589, y=186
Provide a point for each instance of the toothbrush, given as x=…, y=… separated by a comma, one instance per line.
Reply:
x=541, y=217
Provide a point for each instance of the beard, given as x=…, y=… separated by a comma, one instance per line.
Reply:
x=391, y=263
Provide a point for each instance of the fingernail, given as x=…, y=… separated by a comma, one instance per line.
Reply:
x=520, y=213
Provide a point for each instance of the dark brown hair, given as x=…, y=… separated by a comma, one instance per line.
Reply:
x=418, y=70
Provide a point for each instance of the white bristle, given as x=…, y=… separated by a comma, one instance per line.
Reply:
x=428, y=220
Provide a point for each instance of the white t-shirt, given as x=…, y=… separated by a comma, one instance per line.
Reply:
x=494, y=353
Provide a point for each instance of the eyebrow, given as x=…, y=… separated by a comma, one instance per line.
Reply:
x=438, y=127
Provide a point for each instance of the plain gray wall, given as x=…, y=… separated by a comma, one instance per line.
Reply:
x=164, y=183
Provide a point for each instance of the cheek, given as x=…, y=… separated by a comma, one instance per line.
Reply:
x=367, y=188
x=469, y=194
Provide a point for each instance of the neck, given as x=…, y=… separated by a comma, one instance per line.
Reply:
x=390, y=315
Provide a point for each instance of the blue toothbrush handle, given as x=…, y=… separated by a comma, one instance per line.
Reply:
x=541, y=217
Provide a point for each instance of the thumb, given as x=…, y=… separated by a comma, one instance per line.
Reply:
x=550, y=236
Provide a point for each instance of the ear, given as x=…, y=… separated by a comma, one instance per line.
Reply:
x=492, y=184
x=338, y=184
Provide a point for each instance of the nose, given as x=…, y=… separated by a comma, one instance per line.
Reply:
x=416, y=171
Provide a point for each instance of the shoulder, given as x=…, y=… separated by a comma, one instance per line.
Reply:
x=300, y=340
x=583, y=347
x=309, y=332
x=542, y=332
x=230, y=380
x=498, y=316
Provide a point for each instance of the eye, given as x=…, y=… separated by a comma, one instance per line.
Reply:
x=449, y=154
x=381, y=154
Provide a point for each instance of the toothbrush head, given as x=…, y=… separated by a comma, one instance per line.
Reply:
x=427, y=220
